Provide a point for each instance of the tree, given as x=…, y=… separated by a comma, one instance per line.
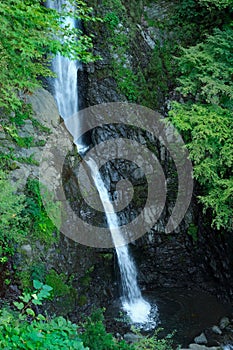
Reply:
x=30, y=36
x=206, y=119
x=208, y=132
x=207, y=69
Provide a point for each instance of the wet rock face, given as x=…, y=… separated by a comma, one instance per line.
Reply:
x=87, y=270
x=27, y=157
x=93, y=91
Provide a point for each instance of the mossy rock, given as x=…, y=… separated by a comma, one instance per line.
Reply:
x=82, y=300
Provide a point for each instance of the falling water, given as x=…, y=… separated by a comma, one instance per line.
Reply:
x=66, y=83
x=66, y=95
x=133, y=303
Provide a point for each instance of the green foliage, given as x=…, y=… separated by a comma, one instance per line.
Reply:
x=30, y=35
x=82, y=300
x=193, y=232
x=117, y=7
x=208, y=131
x=158, y=77
x=205, y=117
x=28, y=160
x=207, y=69
x=220, y=4
x=28, y=300
x=127, y=83
x=26, y=329
x=59, y=284
x=11, y=221
x=96, y=337
x=39, y=334
x=153, y=342
x=112, y=19
x=38, y=272
x=194, y=19
x=12, y=131
x=140, y=82
x=40, y=225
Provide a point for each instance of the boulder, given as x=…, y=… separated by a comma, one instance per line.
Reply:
x=201, y=339
x=224, y=322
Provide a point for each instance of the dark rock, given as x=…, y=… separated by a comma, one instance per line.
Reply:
x=224, y=322
x=132, y=338
x=216, y=330
x=201, y=339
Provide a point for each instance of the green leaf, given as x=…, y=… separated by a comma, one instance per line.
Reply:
x=37, y=284
x=19, y=306
x=25, y=297
x=40, y=317
x=30, y=312
x=36, y=302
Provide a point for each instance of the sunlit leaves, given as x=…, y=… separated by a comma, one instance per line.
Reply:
x=11, y=206
x=30, y=35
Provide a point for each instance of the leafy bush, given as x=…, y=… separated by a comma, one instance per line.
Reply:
x=205, y=117
x=57, y=333
x=39, y=226
x=112, y=19
x=28, y=300
x=153, y=342
x=95, y=336
x=11, y=220
x=59, y=284
x=26, y=329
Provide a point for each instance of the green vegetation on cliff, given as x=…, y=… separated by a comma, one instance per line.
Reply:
x=161, y=52
x=30, y=35
x=205, y=118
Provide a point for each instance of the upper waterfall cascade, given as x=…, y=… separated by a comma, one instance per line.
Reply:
x=66, y=83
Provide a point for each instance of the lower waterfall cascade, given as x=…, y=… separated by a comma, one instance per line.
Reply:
x=133, y=303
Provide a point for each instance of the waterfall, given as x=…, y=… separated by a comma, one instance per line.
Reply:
x=66, y=83
x=66, y=95
x=133, y=303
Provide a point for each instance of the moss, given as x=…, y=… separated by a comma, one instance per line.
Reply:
x=40, y=226
x=58, y=283
x=85, y=281
x=82, y=300
x=193, y=232
x=107, y=256
x=24, y=277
